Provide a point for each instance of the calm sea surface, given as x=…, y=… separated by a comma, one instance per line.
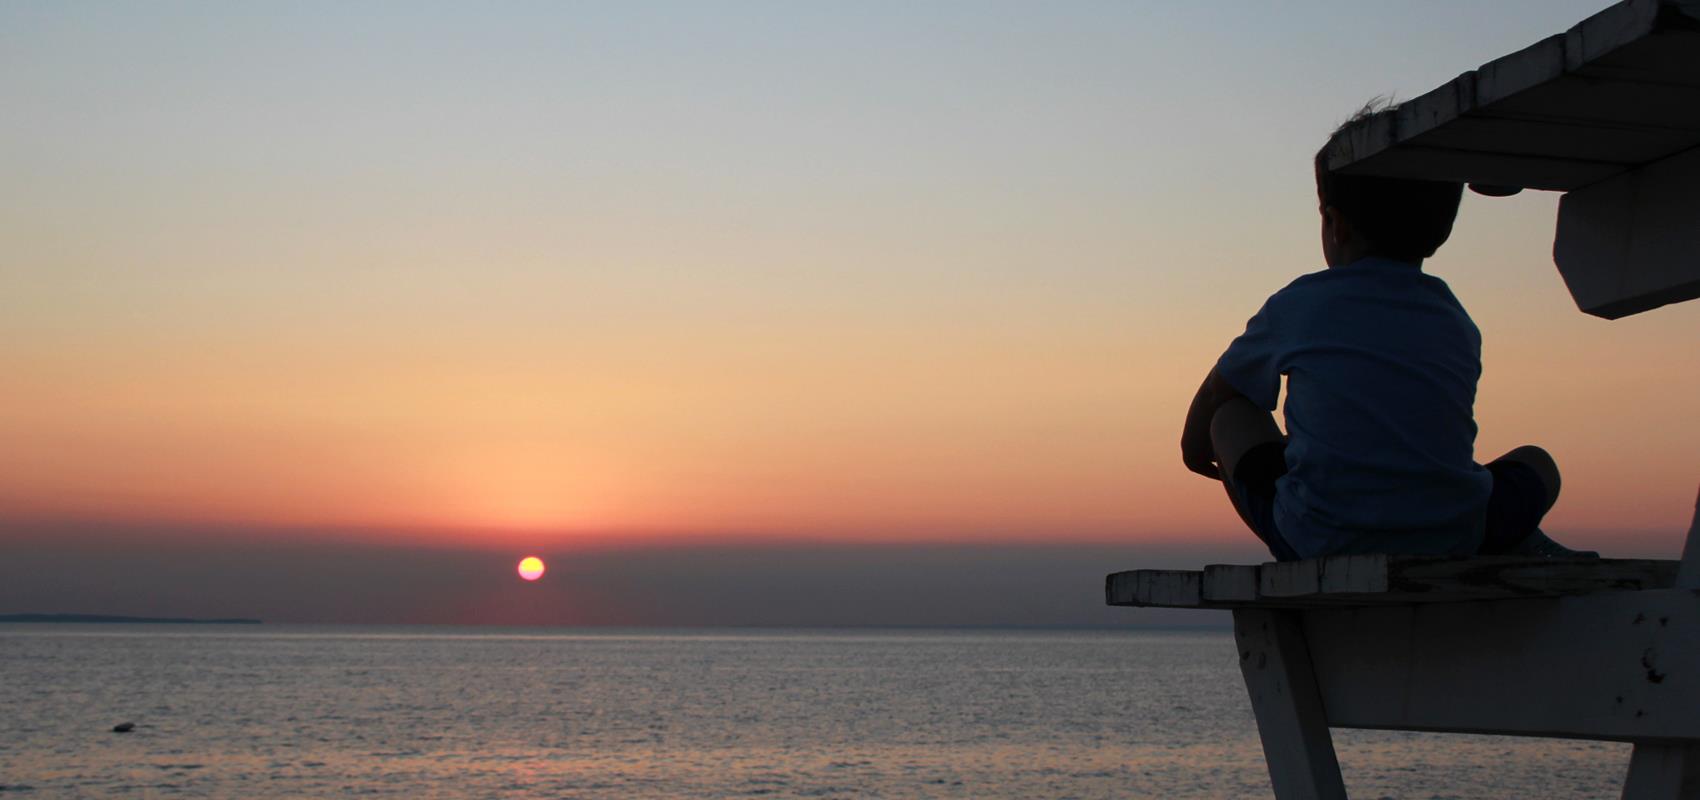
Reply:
x=285, y=711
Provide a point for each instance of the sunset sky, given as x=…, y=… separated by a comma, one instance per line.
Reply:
x=753, y=289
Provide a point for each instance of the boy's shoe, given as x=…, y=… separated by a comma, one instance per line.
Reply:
x=1540, y=545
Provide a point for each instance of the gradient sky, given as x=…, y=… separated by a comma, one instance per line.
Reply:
x=773, y=284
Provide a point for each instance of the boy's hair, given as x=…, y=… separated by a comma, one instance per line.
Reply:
x=1401, y=218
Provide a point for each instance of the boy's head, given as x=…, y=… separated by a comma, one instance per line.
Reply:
x=1397, y=218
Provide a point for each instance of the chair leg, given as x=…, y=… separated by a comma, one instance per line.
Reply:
x=1667, y=771
x=1275, y=660
x=1663, y=772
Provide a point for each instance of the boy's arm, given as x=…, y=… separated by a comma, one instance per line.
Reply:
x=1255, y=360
x=1197, y=451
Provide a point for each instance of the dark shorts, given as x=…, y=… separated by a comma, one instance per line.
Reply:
x=1514, y=508
x=1252, y=489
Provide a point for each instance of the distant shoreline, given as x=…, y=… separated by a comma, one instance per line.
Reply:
x=113, y=618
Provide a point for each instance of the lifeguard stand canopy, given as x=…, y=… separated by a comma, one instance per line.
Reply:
x=1609, y=113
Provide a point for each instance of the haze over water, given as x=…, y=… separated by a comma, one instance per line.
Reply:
x=289, y=711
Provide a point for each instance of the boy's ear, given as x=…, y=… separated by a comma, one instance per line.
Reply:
x=1335, y=224
x=1336, y=232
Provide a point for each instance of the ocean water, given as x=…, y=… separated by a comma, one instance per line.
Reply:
x=280, y=711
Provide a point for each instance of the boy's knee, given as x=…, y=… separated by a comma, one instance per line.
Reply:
x=1539, y=460
x=1238, y=426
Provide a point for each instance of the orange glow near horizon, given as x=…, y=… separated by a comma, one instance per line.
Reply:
x=781, y=294
x=991, y=434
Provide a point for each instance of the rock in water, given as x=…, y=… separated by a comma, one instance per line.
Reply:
x=124, y=727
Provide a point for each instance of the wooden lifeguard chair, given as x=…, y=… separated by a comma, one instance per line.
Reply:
x=1609, y=114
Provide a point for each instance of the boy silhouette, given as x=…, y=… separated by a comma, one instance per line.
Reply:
x=1381, y=363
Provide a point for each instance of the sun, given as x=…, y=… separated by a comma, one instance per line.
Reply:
x=531, y=568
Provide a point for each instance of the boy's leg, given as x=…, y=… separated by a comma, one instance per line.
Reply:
x=1238, y=427
x=1250, y=451
x=1526, y=483
x=1545, y=468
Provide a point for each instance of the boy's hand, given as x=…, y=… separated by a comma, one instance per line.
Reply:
x=1200, y=460
x=1198, y=452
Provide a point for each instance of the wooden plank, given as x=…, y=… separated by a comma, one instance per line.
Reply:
x=1387, y=580
x=1657, y=59
x=1632, y=243
x=1438, y=106
x=1277, y=667
x=1548, y=137
x=1512, y=576
x=1377, y=579
x=1474, y=166
x=1614, y=665
x=1163, y=588
x=1506, y=76
x=1353, y=575
x=1581, y=100
x=1174, y=588
x=1609, y=31
x=1379, y=133
x=1230, y=583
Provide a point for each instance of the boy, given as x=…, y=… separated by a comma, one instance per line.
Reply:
x=1381, y=364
